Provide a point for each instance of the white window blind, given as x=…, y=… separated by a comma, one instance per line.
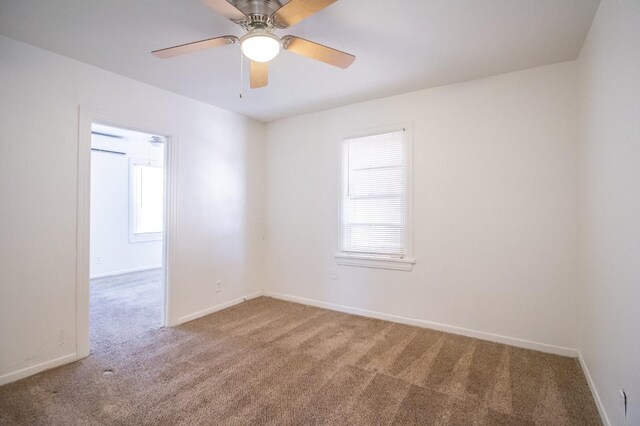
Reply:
x=374, y=195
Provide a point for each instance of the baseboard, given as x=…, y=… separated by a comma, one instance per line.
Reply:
x=594, y=391
x=124, y=271
x=513, y=341
x=34, y=369
x=217, y=308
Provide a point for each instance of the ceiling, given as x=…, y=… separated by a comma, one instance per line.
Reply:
x=401, y=46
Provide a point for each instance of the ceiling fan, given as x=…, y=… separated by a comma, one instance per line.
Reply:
x=259, y=19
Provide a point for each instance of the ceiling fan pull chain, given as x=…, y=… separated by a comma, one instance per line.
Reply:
x=241, y=71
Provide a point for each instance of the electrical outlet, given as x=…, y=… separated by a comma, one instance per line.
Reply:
x=99, y=260
x=218, y=286
x=334, y=274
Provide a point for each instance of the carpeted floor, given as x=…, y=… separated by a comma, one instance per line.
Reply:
x=124, y=306
x=267, y=361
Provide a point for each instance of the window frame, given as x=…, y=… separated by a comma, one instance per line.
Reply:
x=140, y=237
x=381, y=261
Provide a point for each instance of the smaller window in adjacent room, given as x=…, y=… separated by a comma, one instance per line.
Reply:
x=147, y=206
x=376, y=216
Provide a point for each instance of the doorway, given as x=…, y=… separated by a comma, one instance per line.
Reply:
x=127, y=194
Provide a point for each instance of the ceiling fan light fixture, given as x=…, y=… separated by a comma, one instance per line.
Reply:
x=260, y=46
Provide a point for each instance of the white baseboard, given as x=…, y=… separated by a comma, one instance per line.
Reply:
x=217, y=308
x=513, y=341
x=34, y=369
x=124, y=271
x=594, y=391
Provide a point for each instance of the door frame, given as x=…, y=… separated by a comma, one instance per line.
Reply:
x=86, y=117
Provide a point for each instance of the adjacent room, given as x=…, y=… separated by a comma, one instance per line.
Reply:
x=126, y=235
x=336, y=212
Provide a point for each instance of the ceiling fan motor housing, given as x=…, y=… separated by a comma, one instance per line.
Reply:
x=260, y=14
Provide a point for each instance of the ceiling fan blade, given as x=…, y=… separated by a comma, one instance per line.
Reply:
x=226, y=9
x=259, y=74
x=296, y=10
x=195, y=46
x=317, y=51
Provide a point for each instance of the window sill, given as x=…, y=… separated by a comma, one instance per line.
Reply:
x=404, y=264
x=145, y=237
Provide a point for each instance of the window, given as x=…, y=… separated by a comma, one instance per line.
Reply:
x=146, y=201
x=376, y=201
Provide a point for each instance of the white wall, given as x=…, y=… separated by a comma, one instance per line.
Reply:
x=609, y=66
x=110, y=194
x=219, y=196
x=495, y=206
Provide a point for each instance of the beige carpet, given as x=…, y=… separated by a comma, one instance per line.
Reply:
x=124, y=306
x=272, y=362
